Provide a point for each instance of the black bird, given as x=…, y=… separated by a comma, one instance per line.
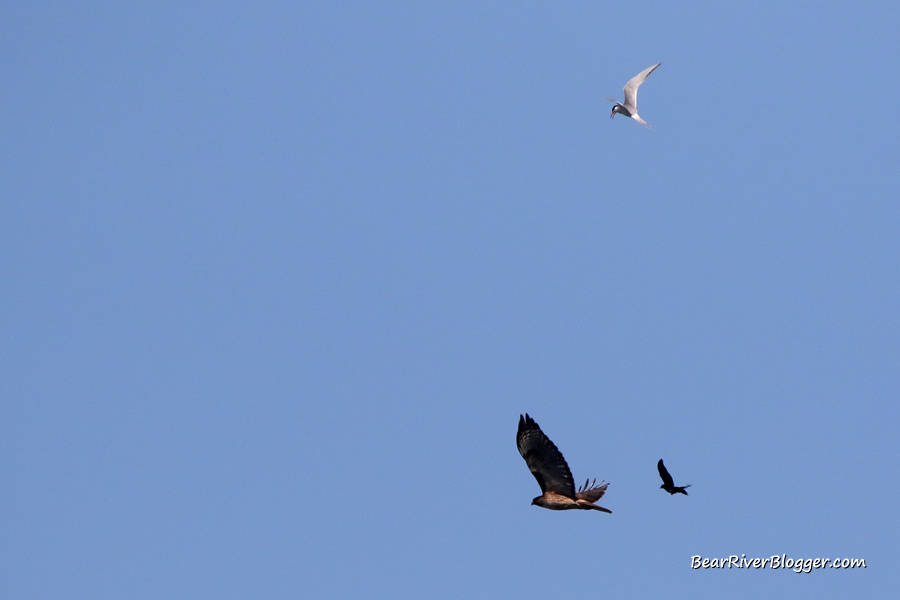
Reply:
x=668, y=482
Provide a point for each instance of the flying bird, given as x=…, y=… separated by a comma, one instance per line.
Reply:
x=548, y=466
x=629, y=108
x=668, y=482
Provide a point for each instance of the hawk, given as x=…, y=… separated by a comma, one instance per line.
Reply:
x=668, y=482
x=548, y=466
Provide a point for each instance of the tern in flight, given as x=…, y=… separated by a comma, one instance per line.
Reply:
x=629, y=109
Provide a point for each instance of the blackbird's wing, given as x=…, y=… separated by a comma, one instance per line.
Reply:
x=667, y=479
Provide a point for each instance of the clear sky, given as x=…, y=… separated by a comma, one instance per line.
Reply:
x=277, y=280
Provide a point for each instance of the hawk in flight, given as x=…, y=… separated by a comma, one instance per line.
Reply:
x=668, y=482
x=548, y=466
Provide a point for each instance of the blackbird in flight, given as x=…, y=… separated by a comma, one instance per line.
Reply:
x=668, y=482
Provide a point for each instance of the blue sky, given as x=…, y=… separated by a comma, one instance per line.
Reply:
x=278, y=280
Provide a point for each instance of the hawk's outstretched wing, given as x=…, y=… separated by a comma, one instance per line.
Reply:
x=590, y=491
x=667, y=479
x=544, y=459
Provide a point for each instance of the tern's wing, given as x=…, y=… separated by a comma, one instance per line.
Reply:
x=632, y=86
